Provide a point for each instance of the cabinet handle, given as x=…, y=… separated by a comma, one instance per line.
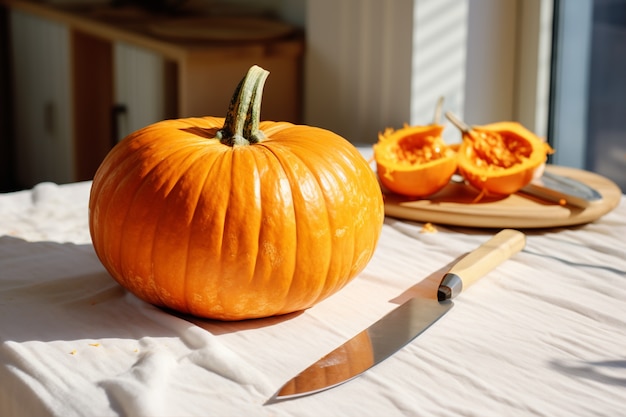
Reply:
x=49, y=124
x=117, y=111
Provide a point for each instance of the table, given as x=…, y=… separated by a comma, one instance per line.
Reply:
x=544, y=334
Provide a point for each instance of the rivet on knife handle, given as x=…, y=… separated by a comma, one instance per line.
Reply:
x=490, y=254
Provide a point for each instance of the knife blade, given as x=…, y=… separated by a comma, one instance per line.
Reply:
x=562, y=190
x=400, y=326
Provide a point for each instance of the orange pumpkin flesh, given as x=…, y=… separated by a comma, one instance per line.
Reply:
x=414, y=161
x=500, y=158
x=234, y=218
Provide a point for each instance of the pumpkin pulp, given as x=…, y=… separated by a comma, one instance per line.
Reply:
x=498, y=150
x=499, y=158
x=414, y=160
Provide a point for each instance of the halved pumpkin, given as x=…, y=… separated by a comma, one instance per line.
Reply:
x=501, y=158
x=414, y=160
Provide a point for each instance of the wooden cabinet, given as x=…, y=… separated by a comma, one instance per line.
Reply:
x=42, y=122
x=81, y=82
x=61, y=99
x=144, y=89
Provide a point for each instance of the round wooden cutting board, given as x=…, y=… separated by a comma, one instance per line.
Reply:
x=454, y=206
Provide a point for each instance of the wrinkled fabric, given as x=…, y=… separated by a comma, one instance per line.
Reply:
x=543, y=334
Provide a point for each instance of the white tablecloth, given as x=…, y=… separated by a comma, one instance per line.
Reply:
x=544, y=334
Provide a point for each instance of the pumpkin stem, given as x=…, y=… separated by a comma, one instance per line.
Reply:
x=241, y=126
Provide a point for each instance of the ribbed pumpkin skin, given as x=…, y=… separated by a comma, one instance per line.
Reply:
x=234, y=232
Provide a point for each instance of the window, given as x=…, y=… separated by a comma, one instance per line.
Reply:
x=588, y=105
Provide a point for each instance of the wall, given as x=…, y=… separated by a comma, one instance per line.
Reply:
x=439, y=61
x=358, y=66
x=7, y=179
x=374, y=64
x=292, y=11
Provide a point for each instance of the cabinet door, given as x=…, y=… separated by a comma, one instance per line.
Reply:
x=41, y=100
x=144, y=83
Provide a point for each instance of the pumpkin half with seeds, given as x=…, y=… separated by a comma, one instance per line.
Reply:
x=501, y=158
x=414, y=160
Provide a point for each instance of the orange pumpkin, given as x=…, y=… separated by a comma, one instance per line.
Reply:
x=500, y=158
x=414, y=160
x=234, y=218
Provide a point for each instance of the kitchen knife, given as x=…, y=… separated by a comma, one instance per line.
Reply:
x=562, y=190
x=383, y=338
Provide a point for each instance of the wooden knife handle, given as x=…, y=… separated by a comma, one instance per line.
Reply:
x=480, y=261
